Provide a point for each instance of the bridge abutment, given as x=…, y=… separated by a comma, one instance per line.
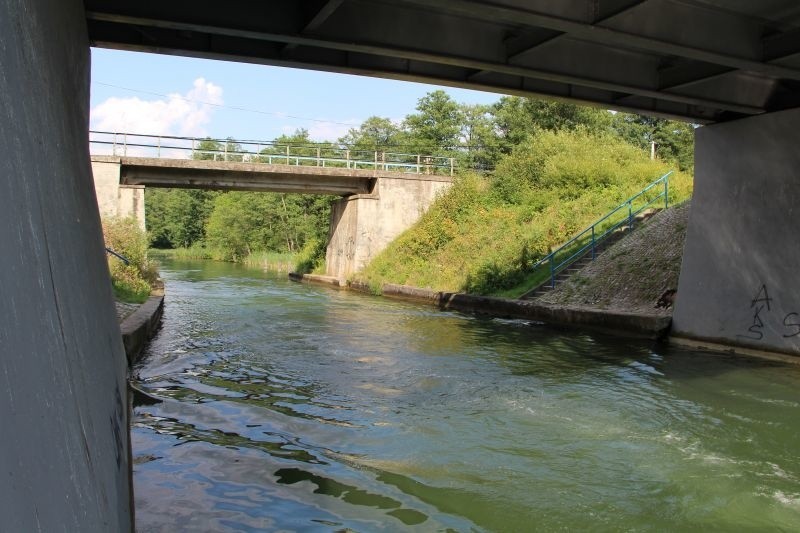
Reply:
x=64, y=454
x=363, y=225
x=113, y=198
x=740, y=279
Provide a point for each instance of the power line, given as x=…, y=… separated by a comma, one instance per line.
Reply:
x=274, y=113
x=236, y=108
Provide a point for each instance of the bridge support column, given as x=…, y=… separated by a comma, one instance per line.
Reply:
x=114, y=199
x=363, y=225
x=740, y=279
x=64, y=454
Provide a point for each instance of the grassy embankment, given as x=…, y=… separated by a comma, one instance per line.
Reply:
x=309, y=259
x=270, y=261
x=132, y=283
x=484, y=234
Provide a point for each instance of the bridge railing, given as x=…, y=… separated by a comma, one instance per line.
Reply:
x=267, y=152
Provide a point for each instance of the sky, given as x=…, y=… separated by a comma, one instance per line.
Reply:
x=168, y=95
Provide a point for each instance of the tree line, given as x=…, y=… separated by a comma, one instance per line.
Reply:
x=478, y=137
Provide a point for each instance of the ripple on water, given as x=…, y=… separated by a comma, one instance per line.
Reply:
x=285, y=407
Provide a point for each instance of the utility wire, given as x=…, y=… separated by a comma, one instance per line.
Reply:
x=248, y=110
x=237, y=108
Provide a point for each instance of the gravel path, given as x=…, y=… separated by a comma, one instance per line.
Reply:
x=633, y=273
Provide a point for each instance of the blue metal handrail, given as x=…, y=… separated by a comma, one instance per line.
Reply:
x=118, y=256
x=595, y=234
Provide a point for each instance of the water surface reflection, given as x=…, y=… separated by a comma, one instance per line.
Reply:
x=290, y=407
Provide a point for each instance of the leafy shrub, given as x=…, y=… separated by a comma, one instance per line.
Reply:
x=311, y=257
x=131, y=282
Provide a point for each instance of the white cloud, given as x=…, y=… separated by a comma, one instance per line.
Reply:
x=329, y=131
x=324, y=131
x=182, y=115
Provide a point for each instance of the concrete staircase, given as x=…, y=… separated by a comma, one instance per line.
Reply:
x=577, y=265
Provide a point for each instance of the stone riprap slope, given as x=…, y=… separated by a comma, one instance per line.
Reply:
x=633, y=273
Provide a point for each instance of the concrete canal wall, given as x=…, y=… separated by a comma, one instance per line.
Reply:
x=628, y=324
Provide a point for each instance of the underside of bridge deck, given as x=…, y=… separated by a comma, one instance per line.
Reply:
x=701, y=60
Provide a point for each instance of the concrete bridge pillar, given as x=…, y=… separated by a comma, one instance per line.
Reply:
x=740, y=278
x=64, y=453
x=362, y=225
x=113, y=198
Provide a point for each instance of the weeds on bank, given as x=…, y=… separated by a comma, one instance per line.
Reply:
x=485, y=233
x=269, y=261
x=131, y=282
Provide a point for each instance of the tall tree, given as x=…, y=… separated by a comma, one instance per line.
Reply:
x=435, y=128
x=177, y=217
x=517, y=118
x=375, y=133
x=208, y=149
x=479, y=137
x=674, y=141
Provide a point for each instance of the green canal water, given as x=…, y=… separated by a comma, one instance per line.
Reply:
x=288, y=407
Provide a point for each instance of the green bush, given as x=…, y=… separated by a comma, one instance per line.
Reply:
x=311, y=257
x=131, y=282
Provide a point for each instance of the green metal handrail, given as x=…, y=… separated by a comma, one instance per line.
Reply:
x=588, y=239
x=270, y=152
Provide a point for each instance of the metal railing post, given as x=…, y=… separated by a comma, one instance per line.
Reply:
x=158, y=151
x=287, y=154
x=318, y=156
x=193, y=148
x=666, y=191
x=125, y=144
x=452, y=165
x=225, y=153
x=375, y=166
x=630, y=215
x=419, y=170
x=347, y=158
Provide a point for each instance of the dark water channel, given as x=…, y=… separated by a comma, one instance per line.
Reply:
x=289, y=407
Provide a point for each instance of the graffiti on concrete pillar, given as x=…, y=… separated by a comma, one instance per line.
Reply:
x=763, y=311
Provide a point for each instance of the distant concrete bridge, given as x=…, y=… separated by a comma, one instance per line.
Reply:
x=383, y=193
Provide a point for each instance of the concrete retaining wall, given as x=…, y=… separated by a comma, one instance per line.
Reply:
x=140, y=327
x=363, y=225
x=628, y=324
x=64, y=452
x=739, y=282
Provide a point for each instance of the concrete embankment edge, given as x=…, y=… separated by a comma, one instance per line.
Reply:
x=603, y=320
x=628, y=324
x=317, y=279
x=140, y=327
